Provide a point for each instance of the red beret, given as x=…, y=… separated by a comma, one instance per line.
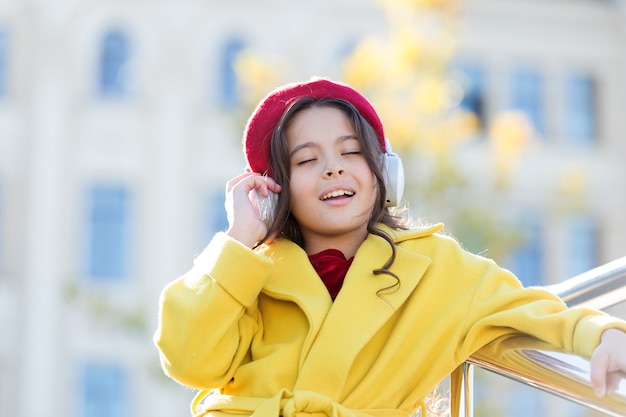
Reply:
x=258, y=131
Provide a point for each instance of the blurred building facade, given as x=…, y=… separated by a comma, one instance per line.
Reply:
x=118, y=131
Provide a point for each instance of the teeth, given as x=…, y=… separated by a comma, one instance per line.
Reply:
x=337, y=193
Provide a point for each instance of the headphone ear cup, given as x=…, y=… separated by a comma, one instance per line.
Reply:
x=393, y=172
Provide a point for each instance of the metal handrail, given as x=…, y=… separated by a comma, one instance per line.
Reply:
x=599, y=288
x=553, y=370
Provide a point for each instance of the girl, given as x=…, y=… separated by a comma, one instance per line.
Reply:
x=339, y=308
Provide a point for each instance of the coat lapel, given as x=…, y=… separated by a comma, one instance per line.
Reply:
x=362, y=307
x=294, y=278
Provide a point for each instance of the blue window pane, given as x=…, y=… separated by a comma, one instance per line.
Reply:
x=473, y=84
x=346, y=49
x=527, y=96
x=114, y=58
x=228, y=82
x=527, y=260
x=582, y=244
x=105, y=391
x=109, y=224
x=4, y=61
x=216, y=220
x=580, y=108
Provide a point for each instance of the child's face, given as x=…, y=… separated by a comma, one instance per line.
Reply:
x=333, y=190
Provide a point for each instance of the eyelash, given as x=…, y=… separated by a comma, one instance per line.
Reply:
x=305, y=161
x=343, y=154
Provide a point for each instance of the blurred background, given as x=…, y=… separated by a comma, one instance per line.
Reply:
x=121, y=121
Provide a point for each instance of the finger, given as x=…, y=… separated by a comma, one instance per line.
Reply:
x=236, y=180
x=613, y=381
x=598, y=372
x=264, y=184
x=238, y=189
x=241, y=184
x=272, y=184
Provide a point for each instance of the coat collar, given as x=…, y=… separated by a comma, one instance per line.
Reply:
x=294, y=278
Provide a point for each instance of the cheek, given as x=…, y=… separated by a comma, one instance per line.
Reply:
x=297, y=187
x=375, y=189
x=368, y=176
x=294, y=182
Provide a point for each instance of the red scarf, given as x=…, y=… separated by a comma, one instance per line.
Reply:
x=331, y=265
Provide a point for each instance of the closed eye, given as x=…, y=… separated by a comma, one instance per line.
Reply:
x=305, y=161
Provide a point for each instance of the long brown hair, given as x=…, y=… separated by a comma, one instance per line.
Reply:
x=285, y=224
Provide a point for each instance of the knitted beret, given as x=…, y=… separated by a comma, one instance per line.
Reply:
x=260, y=125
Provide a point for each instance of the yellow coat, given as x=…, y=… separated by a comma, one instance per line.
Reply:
x=261, y=326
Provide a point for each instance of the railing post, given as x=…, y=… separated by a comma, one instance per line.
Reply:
x=466, y=406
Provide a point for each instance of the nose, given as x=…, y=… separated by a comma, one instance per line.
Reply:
x=334, y=168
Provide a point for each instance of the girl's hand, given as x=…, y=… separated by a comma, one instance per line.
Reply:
x=608, y=362
x=244, y=223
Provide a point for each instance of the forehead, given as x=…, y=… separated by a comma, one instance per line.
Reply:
x=317, y=124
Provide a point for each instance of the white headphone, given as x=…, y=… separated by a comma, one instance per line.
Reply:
x=393, y=172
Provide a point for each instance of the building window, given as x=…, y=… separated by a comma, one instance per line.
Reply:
x=4, y=62
x=105, y=391
x=215, y=218
x=528, y=96
x=113, y=65
x=581, y=243
x=228, y=82
x=472, y=80
x=109, y=234
x=580, y=109
x=527, y=261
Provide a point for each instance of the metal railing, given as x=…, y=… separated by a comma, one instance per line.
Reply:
x=547, y=368
x=599, y=288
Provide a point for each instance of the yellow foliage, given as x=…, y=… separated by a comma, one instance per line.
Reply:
x=431, y=95
x=256, y=76
x=510, y=133
x=404, y=75
x=362, y=68
x=462, y=126
x=408, y=47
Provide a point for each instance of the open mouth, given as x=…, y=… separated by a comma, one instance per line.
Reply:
x=336, y=194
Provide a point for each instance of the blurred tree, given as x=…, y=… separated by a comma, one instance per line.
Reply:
x=409, y=76
x=407, y=73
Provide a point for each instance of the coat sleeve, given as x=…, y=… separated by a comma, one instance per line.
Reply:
x=208, y=317
x=501, y=306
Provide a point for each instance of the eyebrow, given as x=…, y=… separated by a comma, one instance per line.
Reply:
x=340, y=139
